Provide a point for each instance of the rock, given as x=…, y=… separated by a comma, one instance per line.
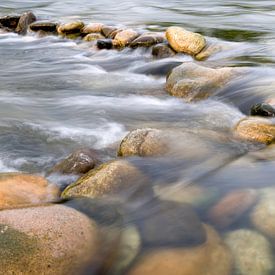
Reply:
x=162, y=51
x=209, y=50
x=262, y=109
x=211, y=258
x=251, y=251
x=48, y=27
x=23, y=189
x=179, y=224
x=124, y=38
x=104, y=44
x=92, y=28
x=147, y=40
x=183, y=41
x=46, y=240
x=232, y=207
x=93, y=36
x=25, y=20
x=9, y=22
x=79, y=162
x=109, y=32
x=114, y=178
x=70, y=28
x=194, y=82
x=255, y=129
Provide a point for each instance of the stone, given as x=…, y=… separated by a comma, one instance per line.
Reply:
x=147, y=40
x=70, y=28
x=232, y=207
x=93, y=36
x=50, y=239
x=124, y=38
x=183, y=41
x=79, y=162
x=194, y=82
x=108, y=30
x=251, y=251
x=162, y=50
x=208, y=51
x=48, y=27
x=9, y=22
x=113, y=179
x=25, y=20
x=262, y=109
x=179, y=224
x=92, y=28
x=210, y=258
x=104, y=44
x=17, y=189
x=255, y=129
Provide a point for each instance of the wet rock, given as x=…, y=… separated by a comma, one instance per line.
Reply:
x=25, y=20
x=262, y=109
x=147, y=40
x=124, y=38
x=104, y=44
x=93, y=36
x=208, y=51
x=113, y=178
x=251, y=251
x=212, y=257
x=194, y=82
x=109, y=32
x=48, y=27
x=162, y=51
x=9, y=22
x=256, y=129
x=232, y=207
x=23, y=189
x=46, y=240
x=183, y=41
x=179, y=223
x=70, y=28
x=79, y=162
x=92, y=28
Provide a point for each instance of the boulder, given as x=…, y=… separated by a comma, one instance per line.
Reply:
x=48, y=27
x=70, y=28
x=50, y=239
x=194, y=82
x=183, y=41
x=104, y=44
x=93, y=36
x=147, y=40
x=210, y=258
x=255, y=129
x=262, y=109
x=9, y=22
x=251, y=251
x=25, y=20
x=232, y=207
x=17, y=189
x=92, y=28
x=124, y=38
x=162, y=50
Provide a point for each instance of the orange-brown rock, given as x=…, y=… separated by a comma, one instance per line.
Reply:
x=92, y=28
x=124, y=38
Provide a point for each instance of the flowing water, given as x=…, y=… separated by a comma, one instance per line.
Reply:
x=58, y=95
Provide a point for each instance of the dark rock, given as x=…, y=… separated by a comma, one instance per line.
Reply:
x=104, y=44
x=162, y=51
x=9, y=22
x=44, y=26
x=147, y=40
x=262, y=109
x=108, y=31
x=25, y=20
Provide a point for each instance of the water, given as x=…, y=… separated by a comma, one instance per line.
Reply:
x=58, y=95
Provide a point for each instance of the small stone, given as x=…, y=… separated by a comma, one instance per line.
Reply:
x=92, y=28
x=44, y=26
x=93, y=36
x=262, y=109
x=9, y=22
x=104, y=44
x=124, y=38
x=70, y=28
x=147, y=40
x=184, y=41
x=107, y=31
x=162, y=51
x=25, y=20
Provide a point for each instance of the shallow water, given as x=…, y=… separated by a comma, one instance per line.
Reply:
x=58, y=95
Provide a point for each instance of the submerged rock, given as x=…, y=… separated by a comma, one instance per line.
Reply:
x=256, y=129
x=183, y=41
x=93, y=36
x=70, y=28
x=124, y=38
x=46, y=240
x=162, y=50
x=104, y=44
x=262, y=109
x=25, y=20
x=9, y=22
x=212, y=258
x=208, y=51
x=251, y=251
x=23, y=189
x=109, y=32
x=92, y=28
x=147, y=40
x=48, y=27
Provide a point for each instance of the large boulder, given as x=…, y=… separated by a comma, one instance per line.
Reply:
x=210, y=258
x=147, y=39
x=194, y=82
x=51, y=239
x=183, y=41
x=17, y=189
x=25, y=20
x=124, y=38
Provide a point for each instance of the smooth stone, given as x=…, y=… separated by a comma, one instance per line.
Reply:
x=171, y=224
x=44, y=26
x=79, y=162
x=162, y=51
x=124, y=38
x=183, y=41
x=262, y=109
x=194, y=82
x=25, y=20
x=232, y=207
x=92, y=28
x=23, y=189
x=147, y=40
x=70, y=28
x=9, y=22
x=208, y=51
x=104, y=44
x=93, y=36
x=210, y=258
x=255, y=129
x=50, y=239
x=251, y=251
x=108, y=31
